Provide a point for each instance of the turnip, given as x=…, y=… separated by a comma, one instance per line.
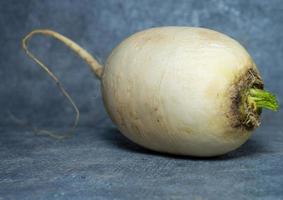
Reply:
x=179, y=90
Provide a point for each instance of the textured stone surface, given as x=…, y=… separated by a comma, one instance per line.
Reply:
x=98, y=163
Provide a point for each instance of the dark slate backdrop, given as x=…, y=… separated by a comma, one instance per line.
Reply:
x=98, y=26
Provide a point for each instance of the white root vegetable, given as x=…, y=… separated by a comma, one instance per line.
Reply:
x=179, y=90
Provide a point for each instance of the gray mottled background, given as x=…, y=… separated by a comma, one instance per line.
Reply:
x=98, y=163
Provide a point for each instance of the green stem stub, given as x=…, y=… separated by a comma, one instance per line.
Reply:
x=248, y=99
x=257, y=98
x=253, y=100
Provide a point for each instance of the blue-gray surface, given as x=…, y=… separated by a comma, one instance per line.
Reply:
x=98, y=163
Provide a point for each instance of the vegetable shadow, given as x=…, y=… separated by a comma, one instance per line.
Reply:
x=118, y=140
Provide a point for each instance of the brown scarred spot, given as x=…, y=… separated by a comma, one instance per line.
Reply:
x=241, y=115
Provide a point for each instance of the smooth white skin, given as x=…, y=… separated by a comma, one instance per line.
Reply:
x=167, y=89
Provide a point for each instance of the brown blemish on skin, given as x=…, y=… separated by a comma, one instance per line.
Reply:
x=209, y=34
x=151, y=38
x=247, y=118
x=135, y=127
x=186, y=129
x=133, y=114
x=120, y=119
x=145, y=38
x=210, y=91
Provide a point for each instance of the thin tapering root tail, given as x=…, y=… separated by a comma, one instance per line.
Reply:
x=94, y=65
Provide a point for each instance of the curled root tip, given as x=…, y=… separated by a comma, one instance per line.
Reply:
x=55, y=79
